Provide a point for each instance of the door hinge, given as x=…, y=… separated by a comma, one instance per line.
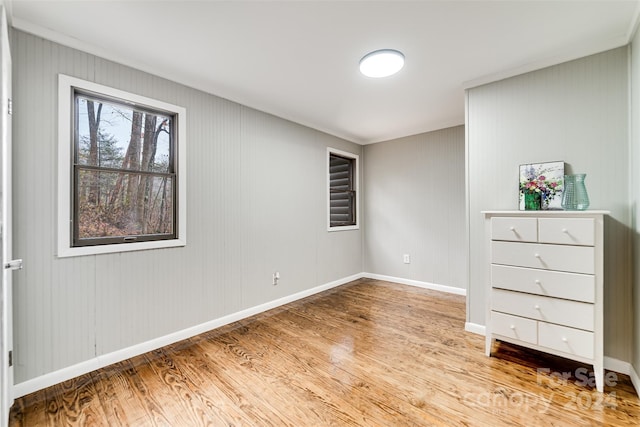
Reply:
x=9, y=106
x=16, y=264
x=10, y=358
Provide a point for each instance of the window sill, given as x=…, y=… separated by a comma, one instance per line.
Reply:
x=122, y=247
x=344, y=228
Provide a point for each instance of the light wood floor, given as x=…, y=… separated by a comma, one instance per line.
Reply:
x=368, y=353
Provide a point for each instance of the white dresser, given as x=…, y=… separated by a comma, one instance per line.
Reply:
x=545, y=277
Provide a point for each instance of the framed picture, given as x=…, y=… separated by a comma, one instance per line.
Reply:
x=541, y=186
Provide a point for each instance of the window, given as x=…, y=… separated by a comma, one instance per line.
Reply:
x=343, y=199
x=121, y=171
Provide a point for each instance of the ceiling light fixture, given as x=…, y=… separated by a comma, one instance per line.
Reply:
x=382, y=63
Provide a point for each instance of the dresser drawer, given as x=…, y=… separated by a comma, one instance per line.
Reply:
x=514, y=229
x=567, y=340
x=574, y=286
x=514, y=327
x=576, y=259
x=553, y=310
x=567, y=231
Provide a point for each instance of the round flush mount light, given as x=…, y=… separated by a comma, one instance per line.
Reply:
x=382, y=63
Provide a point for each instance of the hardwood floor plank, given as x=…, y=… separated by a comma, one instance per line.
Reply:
x=228, y=372
x=283, y=388
x=229, y=408
x=368, y=364
x=72, y=403
x=126, y=391
x=29, y=410
x=369, y=353
x=354, y=387
x=206, y=379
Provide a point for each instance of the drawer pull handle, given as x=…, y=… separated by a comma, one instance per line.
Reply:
x=565, y=231
x=536, y=255
x=537, y=282
x=537, y=307
x=564, y=339
x=512, y=228
x=512, y=327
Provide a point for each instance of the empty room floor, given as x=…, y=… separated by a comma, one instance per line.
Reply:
x=368, y=353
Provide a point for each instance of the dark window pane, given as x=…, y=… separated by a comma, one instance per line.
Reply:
x=342, y=201
x=342, y=212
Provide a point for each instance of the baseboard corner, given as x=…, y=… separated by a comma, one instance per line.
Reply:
x=617, y=365
x=475, y=328
x=635, y=379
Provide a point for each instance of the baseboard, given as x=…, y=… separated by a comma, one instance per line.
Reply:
x=475, y=328
x=635, y=380
x=626, y=368
x=617, y=365
x=410, y=282
x=52, y=378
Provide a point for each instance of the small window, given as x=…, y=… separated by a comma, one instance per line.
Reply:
x=343, y=190
x=124, y=170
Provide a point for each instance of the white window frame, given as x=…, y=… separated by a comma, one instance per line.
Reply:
x=66, y=87
x=356, y=158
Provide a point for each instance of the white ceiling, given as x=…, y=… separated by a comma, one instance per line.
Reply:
x=299, y=59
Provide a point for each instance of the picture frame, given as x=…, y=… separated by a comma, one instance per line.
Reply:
x=541, y=186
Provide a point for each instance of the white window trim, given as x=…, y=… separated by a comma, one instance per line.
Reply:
x=357, y=187
x=65, y=153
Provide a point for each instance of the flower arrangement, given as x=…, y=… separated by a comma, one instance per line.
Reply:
x=537, y=188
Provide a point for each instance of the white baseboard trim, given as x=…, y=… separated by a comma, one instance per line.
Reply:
x=410, y=282
x=64, y=374
x=626, y=368
x=616, y=365
x=475, y=328
x=635, y=380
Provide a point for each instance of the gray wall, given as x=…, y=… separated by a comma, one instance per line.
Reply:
x=256, y=204
x=576, y=112
x=635, y=193
x=415, y=204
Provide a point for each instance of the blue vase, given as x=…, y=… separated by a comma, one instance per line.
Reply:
x=574, y=195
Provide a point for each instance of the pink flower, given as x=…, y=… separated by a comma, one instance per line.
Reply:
x=542, y=178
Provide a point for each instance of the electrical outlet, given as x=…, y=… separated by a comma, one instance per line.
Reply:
x=276, y=277
x=406, y=258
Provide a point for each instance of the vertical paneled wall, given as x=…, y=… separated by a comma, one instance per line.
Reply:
x=256, y=204
x=634, y=193
x=415, y=205
x=576, y=112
